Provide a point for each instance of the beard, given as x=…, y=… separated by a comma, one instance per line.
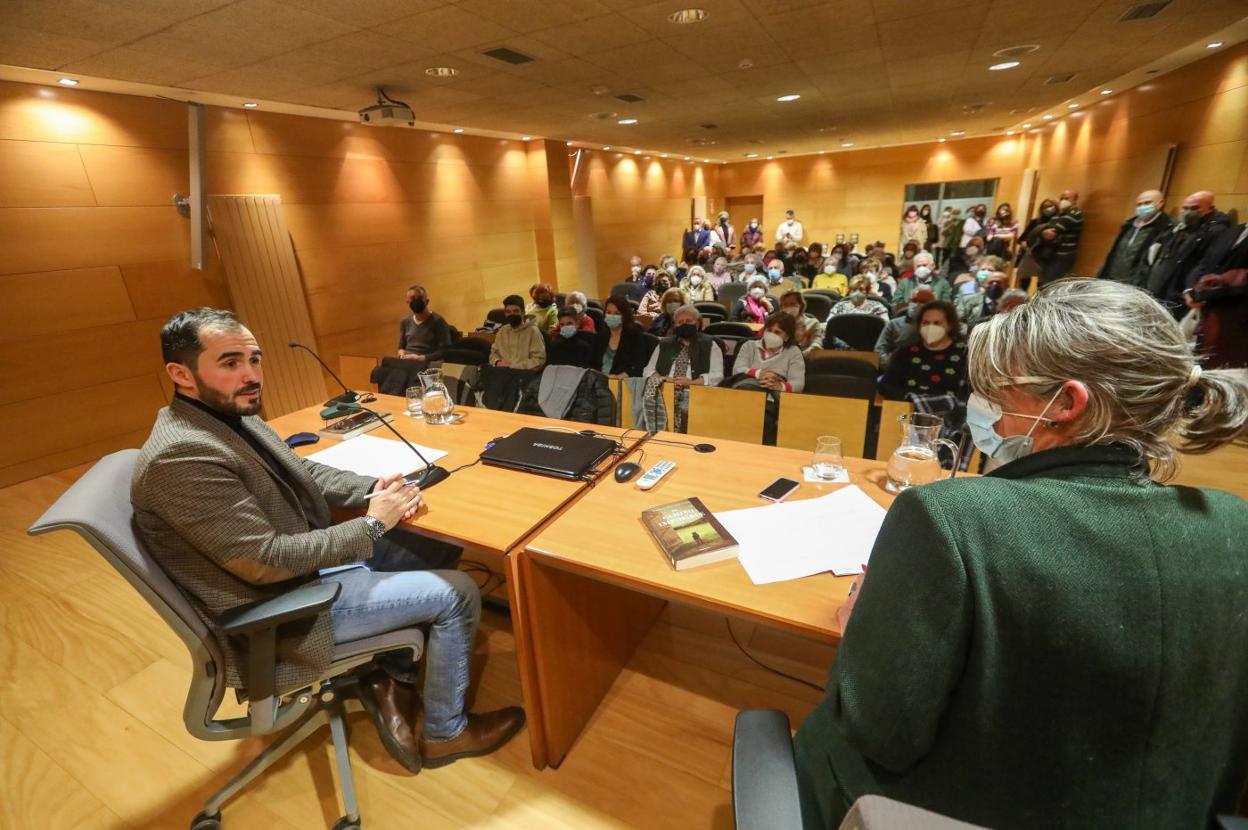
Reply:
x=230, y=404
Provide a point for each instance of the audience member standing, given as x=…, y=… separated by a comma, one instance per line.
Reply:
x=1133, y=253
x=726, y=232
x=1221, y=297
x=973, y=225
x=933, y=229
x=423, y=335
x=1034, y=251
x=1183, y=249
x=1001, y=232
x=790, y=230
x=1069, y=226
x=696, y=239
x=913, y=229
x=950, y=233
x=751, y=236
x=519, y=344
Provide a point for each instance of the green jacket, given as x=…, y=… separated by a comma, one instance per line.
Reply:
x=1055, y=644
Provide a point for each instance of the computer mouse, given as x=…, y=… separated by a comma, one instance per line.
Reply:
x=299, y=439
x=625, y=471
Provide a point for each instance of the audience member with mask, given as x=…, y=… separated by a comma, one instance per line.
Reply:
x=577, y=301
x=651, y=305
x=924, y=276
x=1001, y=232
x=518, y=344
x=672, y=300
x=832, y=276
x=755, y=306
x=913, y=229
x=569, y=345
x=686, y=357
x=720, y=275
x=542, y=310
x=423, y=335
x=936, y=364
x=775, y=360
x=860, y=301
x=1072, y=647
x=751, y=236
x=696, y=286
x=810, y=329
x=621, y=350
x=904, y=329
x=1133, y=251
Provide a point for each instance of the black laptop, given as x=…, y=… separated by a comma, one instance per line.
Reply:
x=548, y=452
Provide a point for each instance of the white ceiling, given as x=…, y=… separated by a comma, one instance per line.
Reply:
x=869, y=71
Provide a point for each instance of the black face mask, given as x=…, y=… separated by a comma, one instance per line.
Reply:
x=994, y=290
x=686, y=331
x=418, y=305
x=545, y=302
x=515, y=320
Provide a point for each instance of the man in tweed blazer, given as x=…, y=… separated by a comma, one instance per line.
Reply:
x=235, y=517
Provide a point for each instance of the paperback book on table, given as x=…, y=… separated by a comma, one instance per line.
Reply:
x=688, y=535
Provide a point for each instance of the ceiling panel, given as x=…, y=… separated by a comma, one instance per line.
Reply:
x=876, y=71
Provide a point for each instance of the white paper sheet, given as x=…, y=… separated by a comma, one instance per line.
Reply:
x=369, y=455
x=799, y=538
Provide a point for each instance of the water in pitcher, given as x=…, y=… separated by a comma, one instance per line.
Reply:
x=913, y=465
x=437, y=406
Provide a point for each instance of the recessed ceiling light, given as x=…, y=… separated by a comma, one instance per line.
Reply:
x=456, y=130
x=636, y=152
x=1027, y=126
x=569, y=143
x=662, y=155
x=997, y=67
x=847, y=144
x=646, y=157
x=608, y=147
x=751, y=155
x=790, y=97
x=1009, y=132
x=1214, y=45
x=1107, y=92
x=251, y=105
x=526, y=138
x=708, y=161
x=67, y=82
x=942, y=140
x=1048, y=118
x=769, y=158
x=624, y=122
x=1072, y=106
x=957, y=132
x=442, y=71
x=685, y=16
x=821, y=152
x=686, y=158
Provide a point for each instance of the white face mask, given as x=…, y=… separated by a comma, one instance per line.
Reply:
x=772, y=341
x=757, y=293
x=982, y=417
x=695, y=280
x=671, y=269
x=932, y=333
x=1064, y=204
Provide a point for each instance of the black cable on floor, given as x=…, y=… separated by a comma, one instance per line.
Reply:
x=761, y=664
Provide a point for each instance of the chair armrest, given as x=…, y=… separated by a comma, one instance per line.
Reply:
x=307, y=601
x=764, y=777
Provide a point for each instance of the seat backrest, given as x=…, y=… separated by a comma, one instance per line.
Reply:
x=836, y=365
x=860, y=331
x=729, y=293
x=97, y=507
x=710, y=307
x=496, y=315
x=729, y=327
x=467, y=357
x=803, y=418
x=627, y=290
x=830, y=293
x=595, y=304
x=731, y=414
x=818, y=306
x=600, y=319
x=840, y=386
x=475, y=344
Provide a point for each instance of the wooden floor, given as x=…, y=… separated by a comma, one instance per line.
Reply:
x=91, y=736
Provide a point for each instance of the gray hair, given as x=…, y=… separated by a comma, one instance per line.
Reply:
x=1129, y=353
x=688, y=309
x=576, y=297
x=924, y=255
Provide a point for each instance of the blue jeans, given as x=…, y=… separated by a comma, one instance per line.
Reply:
x=397, y=589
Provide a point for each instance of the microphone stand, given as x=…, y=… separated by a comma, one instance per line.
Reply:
x=424, y=479
x=347, y=395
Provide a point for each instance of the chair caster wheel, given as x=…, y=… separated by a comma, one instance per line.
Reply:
x=203, y=821
x=345, y=823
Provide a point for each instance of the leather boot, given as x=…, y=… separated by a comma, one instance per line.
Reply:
x=384, y=698
x=484, y=733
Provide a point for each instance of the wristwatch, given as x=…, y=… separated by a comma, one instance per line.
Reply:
x=376, y=527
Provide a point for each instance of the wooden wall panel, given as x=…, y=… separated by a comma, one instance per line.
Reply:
x=160, y=289
x=62, y=301
x=57, y=239
x=135, y=175
x=58, y=114
x=42, y=175
x=263, y=276
x=82, y=358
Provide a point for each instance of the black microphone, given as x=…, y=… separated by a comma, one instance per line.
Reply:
x=424, y=479
x=347, y=395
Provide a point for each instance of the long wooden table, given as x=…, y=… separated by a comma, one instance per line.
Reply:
x=593, y=581
x=482, y=507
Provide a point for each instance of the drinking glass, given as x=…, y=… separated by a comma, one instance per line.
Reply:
x=415, y=401
x=827, y=462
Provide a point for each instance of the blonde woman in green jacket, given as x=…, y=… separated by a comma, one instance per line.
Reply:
x=1064, y=641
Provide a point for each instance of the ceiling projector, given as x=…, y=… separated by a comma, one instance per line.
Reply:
x=388, y=112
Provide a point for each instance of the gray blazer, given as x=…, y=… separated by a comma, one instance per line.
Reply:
x=230, y=531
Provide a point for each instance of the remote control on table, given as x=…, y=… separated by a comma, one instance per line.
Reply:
x=654, y=474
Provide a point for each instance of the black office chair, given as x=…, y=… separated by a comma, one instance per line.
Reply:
x=709, y=307
x=728, y=294
x=467, y=357
x=474, y=344
x=832, y=365
x=600, y=320
x=860, y=331
x=818, y=306
x=595, y=304
x=97, y=508
x=560, y=299
x=497, y=316
x=729, y=327
x=628, y=290
x=652, y=343
x=834, y=296
x=841, y=386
